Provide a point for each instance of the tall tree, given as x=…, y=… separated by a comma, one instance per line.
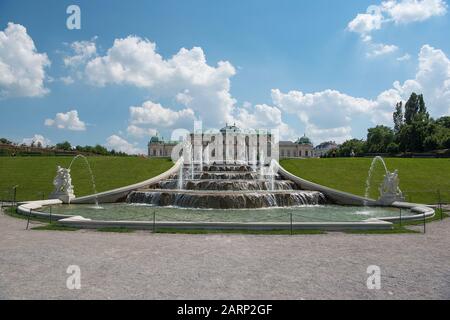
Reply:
x=398, y=117
x=378, y=139
x=411, y=108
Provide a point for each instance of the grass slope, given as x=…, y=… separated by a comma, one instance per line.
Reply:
x=34, y=175
x=419, y=178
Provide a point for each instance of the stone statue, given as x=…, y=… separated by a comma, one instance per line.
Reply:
x=63, y=185
x=389, y=190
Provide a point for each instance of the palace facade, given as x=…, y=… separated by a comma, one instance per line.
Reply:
x=234, y=145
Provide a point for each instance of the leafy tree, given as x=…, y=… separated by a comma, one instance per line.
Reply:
x=378, y=139
x=354, y=145
x=415, y=109
x=444, y=122
x=398, y=117
x=5, y=141
x=64, y=146
x=392, y=148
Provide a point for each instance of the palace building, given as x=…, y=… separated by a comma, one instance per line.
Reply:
x=157, y=147
x=302, y=148
x=232, y=144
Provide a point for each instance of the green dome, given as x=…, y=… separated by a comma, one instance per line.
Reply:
x=154, y=139
x=304, y=140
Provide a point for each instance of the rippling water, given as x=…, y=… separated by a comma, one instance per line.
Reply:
x=123, y=211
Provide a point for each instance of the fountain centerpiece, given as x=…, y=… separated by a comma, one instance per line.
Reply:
x=389, y=190
x=63, y=186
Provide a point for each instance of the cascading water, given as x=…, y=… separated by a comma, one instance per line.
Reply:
x=227, y=186
x=261, y=165
x=370, y=173
x=94, y=188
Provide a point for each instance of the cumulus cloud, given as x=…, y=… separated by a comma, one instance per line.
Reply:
x=68, y=120
x=140, y=132
x=398, y=11
x=378, y=49
x=365, y=23
x=119, y=144
x=155, y=114
x=35, y=140
x=22, y=68
x=405, y=57
x=185, y=77
x=83, y=51
x=407, y=11
x=330, y=114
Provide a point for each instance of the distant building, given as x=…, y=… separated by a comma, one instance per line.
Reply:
x=324, y=148
x=302, y=148
x=157, y=147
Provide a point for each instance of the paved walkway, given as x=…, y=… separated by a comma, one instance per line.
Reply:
x=142, y=265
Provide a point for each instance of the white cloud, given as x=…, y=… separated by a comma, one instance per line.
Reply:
x=155, y=114
x=67, y=80
x=35, y=140
x=68, y=120
x=398, y=11
x=379, y=49
x=330, y=114
x=83, y=51
x=365, y=23
x=185, y=77
x=404, y=57
x=407, y=11
x=119, y=144
x=139, y=132
x=22, y=68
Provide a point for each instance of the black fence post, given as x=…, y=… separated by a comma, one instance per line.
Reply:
x=154, y=221
x=440, y=203
x=29, y=216
x=50, y=215
x=291, y=224
x=424, y=224
x=400, y=216
x=14, y=196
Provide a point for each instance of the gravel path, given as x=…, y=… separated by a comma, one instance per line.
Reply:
x=142, y=265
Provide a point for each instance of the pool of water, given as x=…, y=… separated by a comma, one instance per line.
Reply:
x=134, y=212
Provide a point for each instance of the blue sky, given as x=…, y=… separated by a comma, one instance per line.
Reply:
x=299, y=66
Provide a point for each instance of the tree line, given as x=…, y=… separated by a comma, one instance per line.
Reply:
x=414, y=132
x=66, y=146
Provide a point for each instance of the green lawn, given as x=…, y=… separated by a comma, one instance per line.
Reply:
x=34, y=175
x=419, y=178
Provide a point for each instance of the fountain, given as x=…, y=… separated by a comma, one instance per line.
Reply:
x=226, y=186
x=63, y=183
x=389, y=189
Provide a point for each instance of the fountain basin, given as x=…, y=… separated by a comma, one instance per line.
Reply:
x=144, y=212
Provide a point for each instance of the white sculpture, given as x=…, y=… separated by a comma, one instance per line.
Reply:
x=63, y=185
x=389, y=190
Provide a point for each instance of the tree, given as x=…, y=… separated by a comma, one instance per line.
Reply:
x=5, y=141
x=378, y=139
x=444, y=122
x=354, y=145
x=415, y=109
x=64, y=146
x=398, y=117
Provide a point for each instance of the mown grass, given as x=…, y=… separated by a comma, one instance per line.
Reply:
x=35, y=175
x=419, y=178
